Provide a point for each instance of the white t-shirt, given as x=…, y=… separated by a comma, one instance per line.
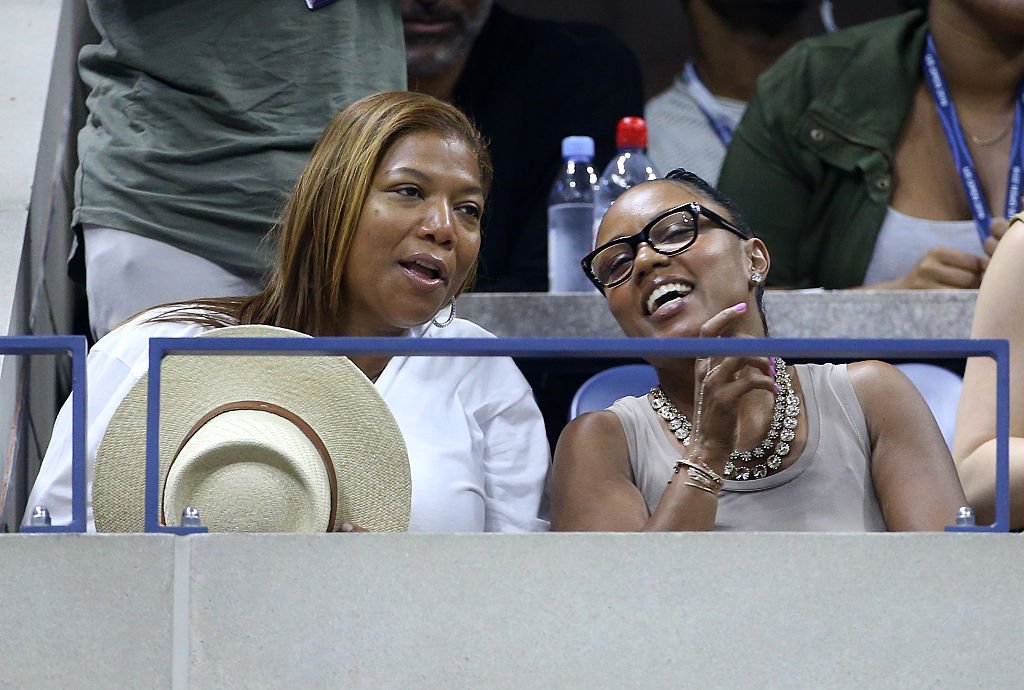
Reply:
x=478, y=452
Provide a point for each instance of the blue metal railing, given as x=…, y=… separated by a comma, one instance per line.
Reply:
x=591, y=348
x=76, y=346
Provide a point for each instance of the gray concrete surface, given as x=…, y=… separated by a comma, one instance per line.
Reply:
x=832, y=314
x=86, y=611
x=29, y=32
x=513, y=611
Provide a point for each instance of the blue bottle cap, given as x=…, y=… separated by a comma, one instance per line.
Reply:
x=578, y=148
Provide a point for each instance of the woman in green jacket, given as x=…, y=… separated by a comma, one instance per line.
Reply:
x=856, y=172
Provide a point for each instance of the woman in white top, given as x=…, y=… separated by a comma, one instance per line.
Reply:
x=379, y=236
x=741, y=443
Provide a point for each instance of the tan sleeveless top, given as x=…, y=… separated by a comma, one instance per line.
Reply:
x=827, y=489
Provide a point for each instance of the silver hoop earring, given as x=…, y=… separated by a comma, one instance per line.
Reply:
x=756, y=278
x=451, y=316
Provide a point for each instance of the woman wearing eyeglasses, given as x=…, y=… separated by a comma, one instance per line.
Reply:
x=736, y=443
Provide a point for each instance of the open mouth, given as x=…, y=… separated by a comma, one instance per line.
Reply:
x=664, y=295
x=426, y=270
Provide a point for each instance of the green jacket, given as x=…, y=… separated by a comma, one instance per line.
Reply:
x=811, y=163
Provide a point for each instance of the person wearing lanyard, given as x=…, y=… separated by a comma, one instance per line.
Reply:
x=690, y=124
x=888, y=155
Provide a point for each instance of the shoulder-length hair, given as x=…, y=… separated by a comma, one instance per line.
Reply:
x=319, y=220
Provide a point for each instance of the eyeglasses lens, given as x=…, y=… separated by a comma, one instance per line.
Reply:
x=670, y=235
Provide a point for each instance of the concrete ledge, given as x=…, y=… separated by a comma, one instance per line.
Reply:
x=513, y=611
x=831, y=314
x=86, y=611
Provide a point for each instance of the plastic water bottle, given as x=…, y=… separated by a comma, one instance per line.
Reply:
x=629, y=167
x=570, y=217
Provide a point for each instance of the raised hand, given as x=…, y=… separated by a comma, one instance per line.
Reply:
x=721, y=384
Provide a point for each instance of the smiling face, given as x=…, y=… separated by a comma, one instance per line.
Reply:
x=417, y=238
x=675, y=295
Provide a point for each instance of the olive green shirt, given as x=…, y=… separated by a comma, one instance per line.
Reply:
x=811, y=162
x=202, y=113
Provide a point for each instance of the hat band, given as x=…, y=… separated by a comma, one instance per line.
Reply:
x=262, y=406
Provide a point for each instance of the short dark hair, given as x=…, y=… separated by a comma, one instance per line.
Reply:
x=700, y=185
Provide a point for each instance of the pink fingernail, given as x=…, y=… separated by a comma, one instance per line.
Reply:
x=741, y=307
x=778, y=389
x=771, y=367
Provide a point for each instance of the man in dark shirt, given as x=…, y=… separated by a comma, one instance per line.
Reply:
x=527, y=84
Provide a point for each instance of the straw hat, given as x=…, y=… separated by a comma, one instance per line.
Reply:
x=258, y=444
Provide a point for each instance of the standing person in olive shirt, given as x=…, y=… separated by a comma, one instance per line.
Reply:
x=527, y=83
x=201, y=115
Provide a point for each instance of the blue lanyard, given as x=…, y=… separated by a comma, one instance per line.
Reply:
x=958, y=145
x=707, y=104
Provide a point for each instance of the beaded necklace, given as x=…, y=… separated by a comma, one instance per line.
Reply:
x=751, y=463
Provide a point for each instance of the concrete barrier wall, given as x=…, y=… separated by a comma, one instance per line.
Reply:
x=505, y=611
x=791, y=314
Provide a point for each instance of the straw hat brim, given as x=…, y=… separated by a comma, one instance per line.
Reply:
x=330, y=393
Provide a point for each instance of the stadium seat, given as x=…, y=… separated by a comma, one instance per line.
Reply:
x=940, y=388
x=605, y=387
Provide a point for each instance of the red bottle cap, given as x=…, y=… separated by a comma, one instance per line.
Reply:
x=631, y=133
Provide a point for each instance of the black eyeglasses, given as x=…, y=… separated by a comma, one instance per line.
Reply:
x=670, y=233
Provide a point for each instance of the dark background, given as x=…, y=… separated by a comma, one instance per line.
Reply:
x=657, y=30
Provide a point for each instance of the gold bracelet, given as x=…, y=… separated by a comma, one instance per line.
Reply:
x=703, y=480
x=701, y=487
x=703, y=468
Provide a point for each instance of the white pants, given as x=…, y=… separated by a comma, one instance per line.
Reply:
x=128, y=273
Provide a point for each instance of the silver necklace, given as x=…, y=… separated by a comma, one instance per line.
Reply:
x=752, y=463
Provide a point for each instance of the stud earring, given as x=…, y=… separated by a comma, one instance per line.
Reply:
x=756, y=278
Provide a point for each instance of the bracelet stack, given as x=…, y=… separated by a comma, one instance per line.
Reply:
x=700, y=476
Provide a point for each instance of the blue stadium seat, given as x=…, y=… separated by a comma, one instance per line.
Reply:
x=605, y=387
x=940, y=388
